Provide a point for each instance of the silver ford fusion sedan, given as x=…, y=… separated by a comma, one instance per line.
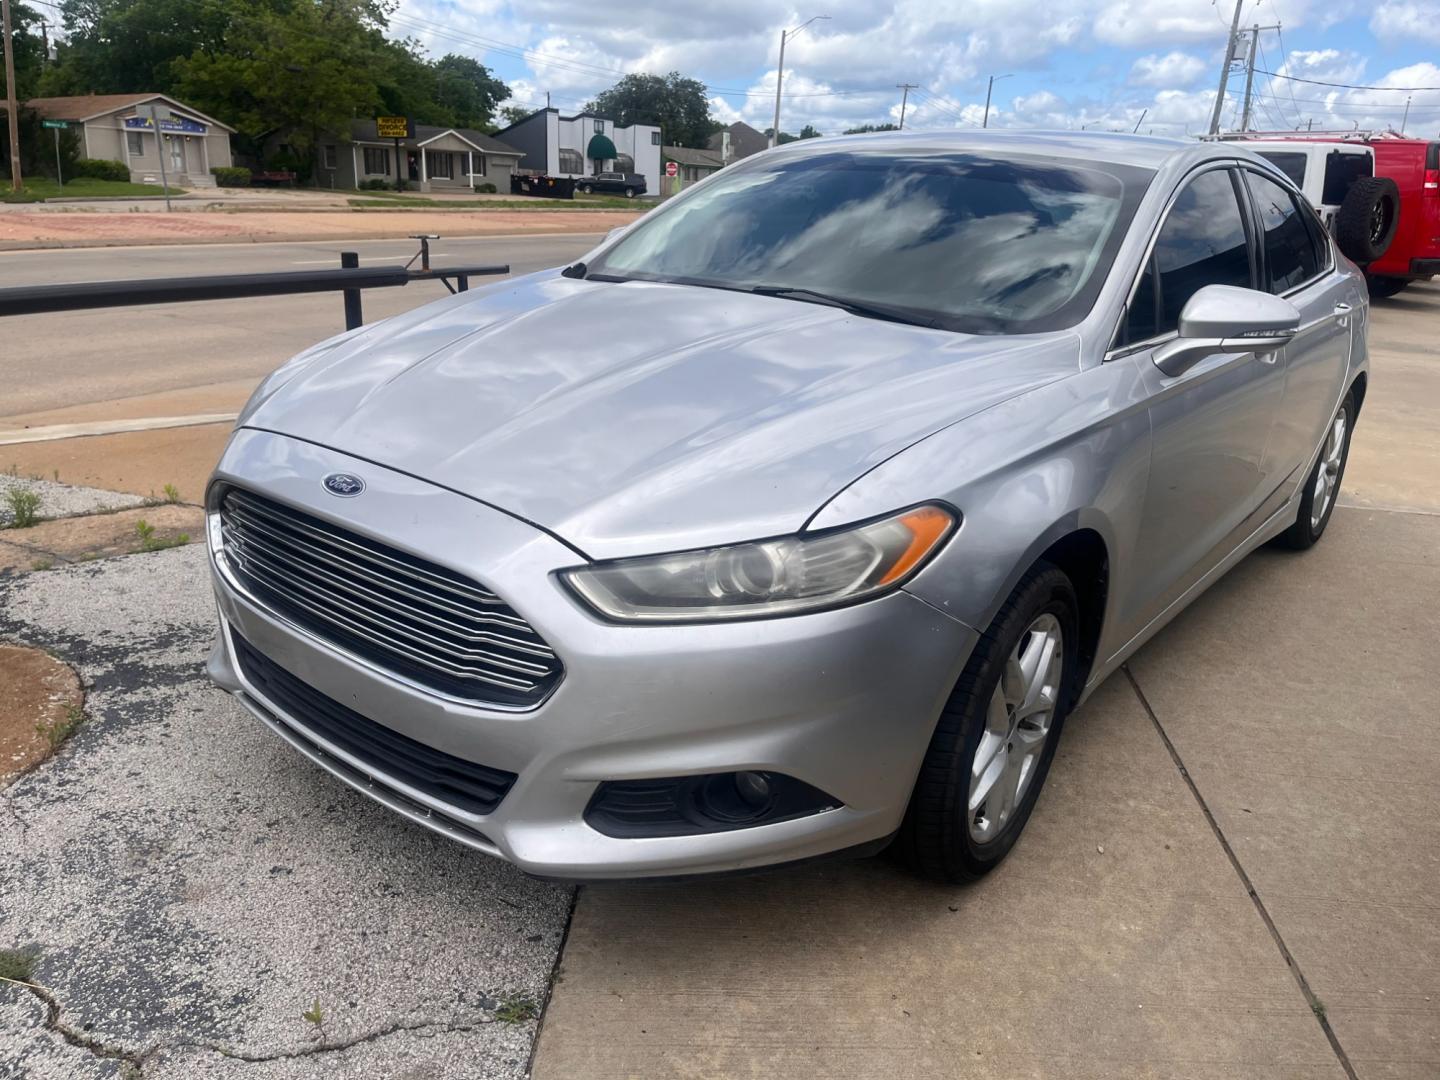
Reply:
x=797, y=516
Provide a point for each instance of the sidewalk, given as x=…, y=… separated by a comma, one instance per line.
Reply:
x=85, y=228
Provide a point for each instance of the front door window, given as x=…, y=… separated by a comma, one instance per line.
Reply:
x=177, y=153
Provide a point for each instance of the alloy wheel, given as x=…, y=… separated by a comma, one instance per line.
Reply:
x=1327, y=475
x=1017, y=726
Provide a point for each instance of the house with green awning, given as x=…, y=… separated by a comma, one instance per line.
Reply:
x=584, y=145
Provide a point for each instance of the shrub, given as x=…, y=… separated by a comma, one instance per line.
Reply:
x=231, y=176
x=102, y=169
x=485, y=189
x=374, y=185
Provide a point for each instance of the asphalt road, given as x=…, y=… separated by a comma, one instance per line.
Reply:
x=57, y=361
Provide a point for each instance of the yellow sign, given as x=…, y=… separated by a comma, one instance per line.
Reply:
x=392, y=127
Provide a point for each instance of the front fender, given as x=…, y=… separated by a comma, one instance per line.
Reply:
x=1072, y=455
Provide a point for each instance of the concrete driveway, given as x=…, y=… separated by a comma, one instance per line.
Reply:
x=1231, y=874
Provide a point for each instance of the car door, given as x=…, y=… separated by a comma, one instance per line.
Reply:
x=1297, y=263
x=1210, y=425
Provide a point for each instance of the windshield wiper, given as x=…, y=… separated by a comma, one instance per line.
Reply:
x=855, y=307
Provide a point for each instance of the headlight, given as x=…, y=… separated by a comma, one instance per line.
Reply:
x=771, y=577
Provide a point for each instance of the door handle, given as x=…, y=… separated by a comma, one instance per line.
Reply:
x=1342, y=313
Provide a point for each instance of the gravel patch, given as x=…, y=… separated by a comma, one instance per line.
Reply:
x=63, y=500
x=193, y=886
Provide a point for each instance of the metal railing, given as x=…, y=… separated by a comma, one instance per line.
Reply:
x=350, y=279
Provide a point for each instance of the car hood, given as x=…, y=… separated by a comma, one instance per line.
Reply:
x=638, y=417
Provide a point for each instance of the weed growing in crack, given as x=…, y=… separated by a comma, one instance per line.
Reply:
x=58, y=731
x=42, y=564
x=172, y=494
x=17, y=965
x=24, y=507
x=1318, y=1009
x=516, y=1010
x=315, y=1017
x=150, y=542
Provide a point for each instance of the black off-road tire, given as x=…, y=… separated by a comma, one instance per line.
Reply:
x=934, y=839
x=1383, y=287
x=1306, y=532
x=1366, y=222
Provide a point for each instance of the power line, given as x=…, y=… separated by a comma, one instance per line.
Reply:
x=1345, y=86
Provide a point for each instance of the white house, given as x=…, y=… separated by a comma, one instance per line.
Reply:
x=585, y=144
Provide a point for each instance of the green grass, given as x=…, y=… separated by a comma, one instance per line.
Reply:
x=24, y=507
x=400, y=202
x=57, y=732
x=150, y=542
x=38, y=189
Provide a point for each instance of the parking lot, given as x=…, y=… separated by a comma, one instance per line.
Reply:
x=1231, y=873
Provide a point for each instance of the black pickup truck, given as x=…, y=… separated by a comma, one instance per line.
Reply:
x=627, y=184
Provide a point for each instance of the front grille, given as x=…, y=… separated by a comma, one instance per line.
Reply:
x=403, y=614
x=463, y=784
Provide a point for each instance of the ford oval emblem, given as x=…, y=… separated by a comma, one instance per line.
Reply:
x=346, y=485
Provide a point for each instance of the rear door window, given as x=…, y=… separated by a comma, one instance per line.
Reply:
x=1292, y=256
x=1288, y=162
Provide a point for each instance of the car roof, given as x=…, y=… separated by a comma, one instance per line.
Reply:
x=1145, y=151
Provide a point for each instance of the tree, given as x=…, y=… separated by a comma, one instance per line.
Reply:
x=785, y=136
x=122, y=46
x=676, y=103
x=808, y=132
x=864, y=128
x=468, y=90
x=291, y=75
x=513, y=114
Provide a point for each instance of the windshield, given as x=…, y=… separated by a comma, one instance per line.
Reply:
x=959, y=241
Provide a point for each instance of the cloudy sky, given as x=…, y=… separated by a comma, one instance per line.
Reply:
x=1068, y=63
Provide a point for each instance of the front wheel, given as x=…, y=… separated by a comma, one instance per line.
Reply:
x=587, y=190
x=997, y=735
x=629, y=192
x=1382, y=287
x=1322, y=486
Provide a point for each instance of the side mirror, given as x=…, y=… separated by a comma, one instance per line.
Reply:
x=1223, y=318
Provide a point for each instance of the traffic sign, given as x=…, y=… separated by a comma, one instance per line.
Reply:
x=60, y=124
x=671, y=169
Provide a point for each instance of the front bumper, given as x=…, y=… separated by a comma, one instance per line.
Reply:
x=844, y=700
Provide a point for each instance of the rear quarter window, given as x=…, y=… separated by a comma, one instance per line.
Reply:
x=1342, y=170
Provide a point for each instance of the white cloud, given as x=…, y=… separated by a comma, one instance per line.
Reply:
x=1407, y=20
x=1172, y=69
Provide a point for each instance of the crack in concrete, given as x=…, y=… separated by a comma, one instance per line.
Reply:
x=135, y=1059
x=437, y=1027
x=1310, y=999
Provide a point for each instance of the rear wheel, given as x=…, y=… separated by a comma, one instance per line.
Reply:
x=629, y=192
x=996, y=737
x=1381, y=287
x=1366, y=221
x=586, y=189
x=1322, y=486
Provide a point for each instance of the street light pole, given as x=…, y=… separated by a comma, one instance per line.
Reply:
x=780, y=73
x=993, y=80
x=12, y=107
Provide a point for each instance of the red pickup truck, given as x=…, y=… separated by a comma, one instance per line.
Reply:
x=1414, y=254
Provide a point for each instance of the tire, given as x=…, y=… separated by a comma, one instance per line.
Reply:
x=587, y=190
x=1382, y=287
x=629, y=192
x=1309, y=524
x=1366, y=222
x=938, y=837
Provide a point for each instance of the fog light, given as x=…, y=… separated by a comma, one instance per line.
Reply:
x=691, y=805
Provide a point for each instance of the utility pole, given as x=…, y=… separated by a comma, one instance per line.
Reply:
x=1225, y=68
x=989, y=87
x=1250, y=71
x=906, y=87
x=1140, y=121
x=1406, y=118
x=780, y=73
x=12, y=107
